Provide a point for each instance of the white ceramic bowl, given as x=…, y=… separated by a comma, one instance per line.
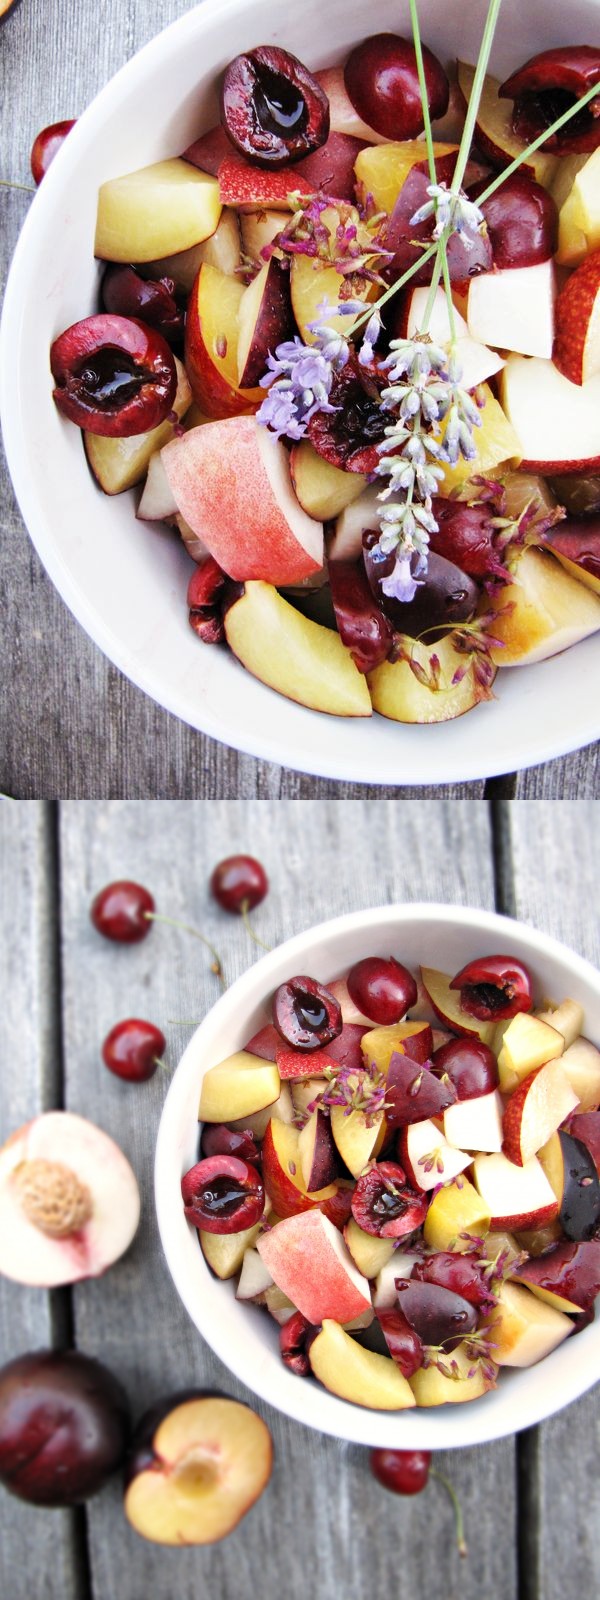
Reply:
x=125, y=581
x=244, y=1336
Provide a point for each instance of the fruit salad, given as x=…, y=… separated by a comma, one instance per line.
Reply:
x=348, y=344
x=404, y=1173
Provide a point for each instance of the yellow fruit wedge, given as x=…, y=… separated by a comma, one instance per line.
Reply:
x=455, y=1210
x=382, y=169
x=543, y=611
x=495, y=443
x=398, y=694
x=299, y=658
x=322, y=489
x=238, y=1086
x=156, y=211
x=434, y=1388
x=356, y=1374
x=312, y=281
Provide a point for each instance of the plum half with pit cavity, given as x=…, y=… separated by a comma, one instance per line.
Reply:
x=197, y=1464
x=273, y=109
x=113, y=376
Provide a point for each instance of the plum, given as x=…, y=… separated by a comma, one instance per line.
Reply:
x=447, y=596
x=64, y=1426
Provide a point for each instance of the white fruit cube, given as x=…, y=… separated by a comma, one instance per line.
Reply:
x=428, y=1156
x=513, y=309
x=516, y=1197
x=399, y=1266
x=475, y=1124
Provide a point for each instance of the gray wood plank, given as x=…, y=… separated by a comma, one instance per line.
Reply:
x=322, y=1506
x=36, y=1547
x=574, y=777
x=557, y=887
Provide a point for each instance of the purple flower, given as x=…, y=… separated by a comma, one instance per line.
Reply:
x=400, y=584
x=299, y=380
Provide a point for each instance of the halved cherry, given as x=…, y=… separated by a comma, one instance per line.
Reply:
x=219, y=1140
x=113, y=376
x=348, y=436
x=125, y=293
x=305, y=1014
x=223, y=1195
x=46, y=145
x=383, y=1202
x=273, y=109
x=204, y=597
x=493, y=988
x=546, y=86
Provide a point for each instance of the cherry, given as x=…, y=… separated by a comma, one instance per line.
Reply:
x=522, y=221
x=293, y=1344
x=273, y=109
x=219, y=1140
x=127, y=294
x=113, y=376
x=383, y=1203
x=549, y=84
x=348, y=436
x=46, y=146
x=223, y=1195
x=402, y=1471
x=123, y=911
x=470, y=1065
x=403, y=1344
x=463, y=1274
x=239, y=883
x=382, y=989
x=132, y=1049
x=439, y=1316
x=466, y=536
x=361, y=624
x=446, y=596
x=204, y=596
x=493, y=988
x=305, y=1014
x=382, y=82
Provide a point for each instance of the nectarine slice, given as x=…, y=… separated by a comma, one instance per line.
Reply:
x=455, y=1212
x=523, y=1328
x=238, y=1086
x=368, y=1251
x=431, y=1387
x=357, y=1374
x=398, y=694
x=308, y=1259
x=299, y=658
x=155, y=211
x=382, y=169
x=322, y=489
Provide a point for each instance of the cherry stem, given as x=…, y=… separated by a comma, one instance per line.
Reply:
x=6, y=183
x=244, y=910
x=161, y=1064
x=186, y=927
x=461, y=1543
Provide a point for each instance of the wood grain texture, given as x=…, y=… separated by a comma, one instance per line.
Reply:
x=30, y=1084
x=70, y=724
x=322, y=1513
x=556, y=878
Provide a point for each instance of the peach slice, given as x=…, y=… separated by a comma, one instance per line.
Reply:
x=548, y=611
x=567, y=1018
x=456, y=1212
x=231, y=481
x=238, y=1086
x=516, y=1197
x=577, y=345
x=369, y=1253
x=264, y=321
x=224, y=1252
x=297, y=657
x=69, y=1199
x=475, y=1124
x=382, y=169
x=581, y=1065
x=211, y=340
x=426, y=1156
x=523, y=1328
x=447, y=1006
x=355, y=1136
x=536, y=1110
x=157, y=503
x=222, y=250
x=117, y=464
x=412, y=1039
x=496, y=443
x=398, y=694
x=469, y=1382
x=258, y=1121
x=322, y=489
x=513, y=309
x=155, y=211
x=346, y=541
x=197, y=1470
x=557, y=422
x=357, y=1374
x=316, y=1150
x=246, y=186
x=282, y=1172
x=527, y=1043
x=350, y=1013
x=307, y=1258
x=494, y=133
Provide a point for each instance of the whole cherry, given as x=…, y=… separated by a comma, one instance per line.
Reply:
x=470, y=1065
x=123, y=911
x=46, y=146
x=133, y=1049
x=493, y=988
x=382, y=989
x=402, y=1471
x=382, y=82
x=239, y=883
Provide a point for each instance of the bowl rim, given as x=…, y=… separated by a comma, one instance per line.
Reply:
x=478, y=1425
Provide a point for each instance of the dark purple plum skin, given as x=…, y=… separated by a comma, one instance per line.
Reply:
x=64, y=1426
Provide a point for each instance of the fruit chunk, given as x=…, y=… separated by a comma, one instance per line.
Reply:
x=63, y=1426
x=356, y=1374
x=516, y=1197
x=476, y=361
x=254, y=1277
x=566, y=1277
x=308, y=1259
x=573, y=1175
x=523, y=1329
x=317, y=1152
x=413, y=1093
x=514, y=309
x=380, y=1045
x=282, y=1172
x=355, y=1135
x=225, y=1252
x=581, y=1064
x=427, y=1157
x=557, y=422
x=527, y=1043
x=69, y=1201
x=196, y=1468
x=577, y=345
x=347, y=539
x=547, y=611
x=313, y=282
x=496, y=442
x=258, y=1121
x=155, y=211
x=455, y=1213
x=382, y=169
x=222, y=250
x=494, y=132
x=322, y=489
x=299, y=658
x=475, y=1124
x=236, y=1087
x=468, y=1381
x=447, y=1006
x=118, y=464
x=535, y=1110
x=232, y=484
x=369, y=1252
x=398, y=694
x=585, y=200
x=567, y=1018
x=211, y=340
x=264, y=321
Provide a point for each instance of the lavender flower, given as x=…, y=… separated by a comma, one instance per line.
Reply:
x=300, y=377
x=451, y=211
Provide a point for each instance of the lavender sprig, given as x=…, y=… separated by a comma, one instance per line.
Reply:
x=299, y=379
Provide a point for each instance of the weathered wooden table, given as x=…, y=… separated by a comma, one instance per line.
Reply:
x=70, y=724
x=323, y=1526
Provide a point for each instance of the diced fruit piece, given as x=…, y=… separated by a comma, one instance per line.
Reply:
x=69, y=1198
x=64, y=1426
x=346, y=1048
x=585, y=198
x=219, y=1140
x=400, y=1265
x=254, y=1277
x=155, y=212
x=297, y=1064
x=476, y=361
x=222, y=250
x=494, y=132
x=523, y=1329
x=413, y=1093
x=232, y=484
x=278, y=1305
x=527, y=1043
x=572, y=241
x=535, y=1110
x=257, y=1121
x=581, y=1063
x=118, y=464
x=322, y=489
x=438, y=694
x=439, y=1315
x=447, y=1006
x=427, y=1156
x=566, y=1277
x=316, y=1150
x=457, y=1212
x=496, y=442
x=356, y=1374
x=411, y=1039
x=369, y=1252
x=282, y=1172
x=264, y=321
x=468, y=1381
x=245, y=186
x=312, y=281
x=567, y=1018
x=475, y=1124
x=515, y=1197
x=576, y=544
x=265, y=1043
x=211, y=340
x=382, y=169
x=308, y=1259
x=464, y=1274
x=299, y=658
x=514, y=309
x=157, y=503
x=576, y=350
x=331, y=168
x=304, y=1091
x=236, y=1087
x=224, y=1252
x=545, y=611
x=347, y=539
x=351, y=1015
x=355, y=1135
x=258, y=229
x=557, y=422
x=407, y=241
x=196, y=1468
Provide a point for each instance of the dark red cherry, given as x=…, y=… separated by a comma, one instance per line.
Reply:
x=470, y=1066
x=522, y=220
x=382, y=82
x=383, y=1203
x=402, y=1471
x=205, y=596
x=239, y=883
x=123, y=911
x=223, y=1195
x=113, y=376
x=439, y=1316
x=466, y=535
x=403, y=1344
x=382, y=989
x=219, y=1140
x=463, y=1274
x=348, y=436
x=293, y=1339
x=305, y=1014
x=493, y=988
x=549, y=84
x=361, y=625
x=46, y=146
x=446, y=596
x=132, y=1049
x=273, y=109
x=126, y=294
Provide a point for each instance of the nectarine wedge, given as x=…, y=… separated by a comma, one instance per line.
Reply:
x=356, y=1374
x=238, y=1086
x=308, y=1259
x=523, y=1328
x=155, y=211
x=398, y=694
x=299, y=658
x=211, y=341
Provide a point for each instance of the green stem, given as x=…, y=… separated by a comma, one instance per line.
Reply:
x=475, y=96
x=423, y=88
x=433, y=287
x=449, y=1487
x=6, y=183
x=394, y=287
x=541, y=139
x=186, y=927
x=448, y=288
x=244, y=908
